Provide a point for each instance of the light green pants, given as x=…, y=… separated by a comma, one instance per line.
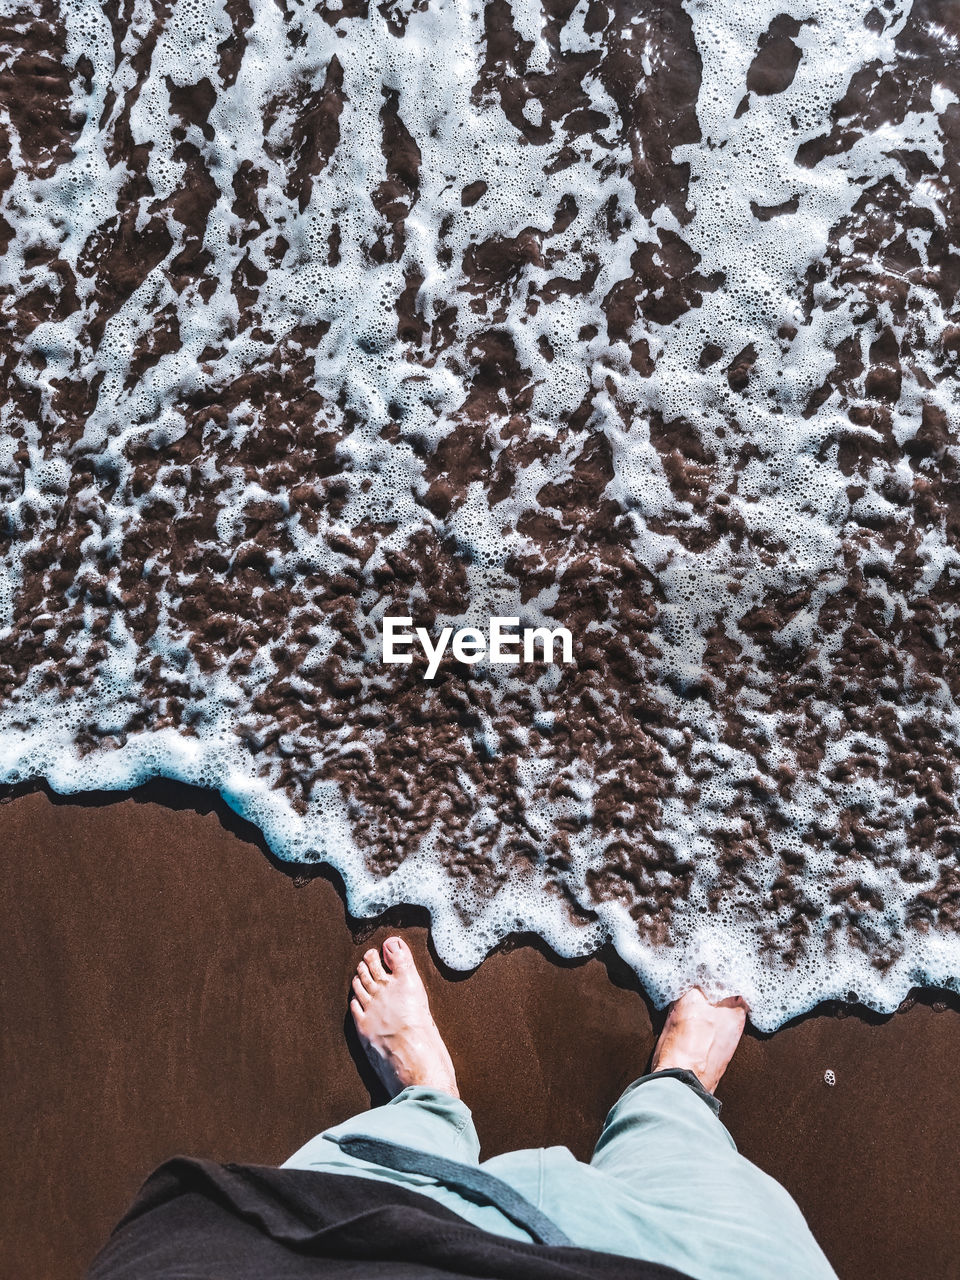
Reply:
x=665, y=1183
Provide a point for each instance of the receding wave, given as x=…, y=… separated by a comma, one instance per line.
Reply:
x=636, y=319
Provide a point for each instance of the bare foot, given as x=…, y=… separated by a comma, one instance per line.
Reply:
x=700, y=1036
x=393, y=1019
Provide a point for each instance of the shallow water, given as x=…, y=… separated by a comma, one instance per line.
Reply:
x=635, y=319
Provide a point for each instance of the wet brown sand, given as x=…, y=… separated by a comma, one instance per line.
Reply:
x=165, y=989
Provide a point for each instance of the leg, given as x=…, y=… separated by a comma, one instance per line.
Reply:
x=401, y=1039
x=421, y=1117
x=393, y=1019
x=659, y=1123
x=639, y=1194
x=700, y=1205
x=661, y=1116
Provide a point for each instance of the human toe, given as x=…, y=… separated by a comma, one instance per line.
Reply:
x=397, y=955
x=360, y=991
x=373, y=962
x=366, y=977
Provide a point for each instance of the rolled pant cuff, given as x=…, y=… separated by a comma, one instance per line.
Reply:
x=690, y=1079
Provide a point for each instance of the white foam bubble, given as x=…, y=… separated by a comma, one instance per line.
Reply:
x=791, y=492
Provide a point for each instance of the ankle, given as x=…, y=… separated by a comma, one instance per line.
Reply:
x=697, y=1066
x=435, y=1078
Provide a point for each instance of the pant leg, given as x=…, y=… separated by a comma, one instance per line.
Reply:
x=660, y=1120
x=702, y=1205
x=429, y=1120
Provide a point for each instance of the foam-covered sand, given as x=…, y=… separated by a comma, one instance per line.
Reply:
x=639, y=320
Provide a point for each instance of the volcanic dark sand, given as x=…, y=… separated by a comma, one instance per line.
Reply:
x=639, y=319
x=165, y=989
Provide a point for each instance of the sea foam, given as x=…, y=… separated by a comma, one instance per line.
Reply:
x=639, y=320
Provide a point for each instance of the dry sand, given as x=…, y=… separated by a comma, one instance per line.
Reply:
x=165, y=989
